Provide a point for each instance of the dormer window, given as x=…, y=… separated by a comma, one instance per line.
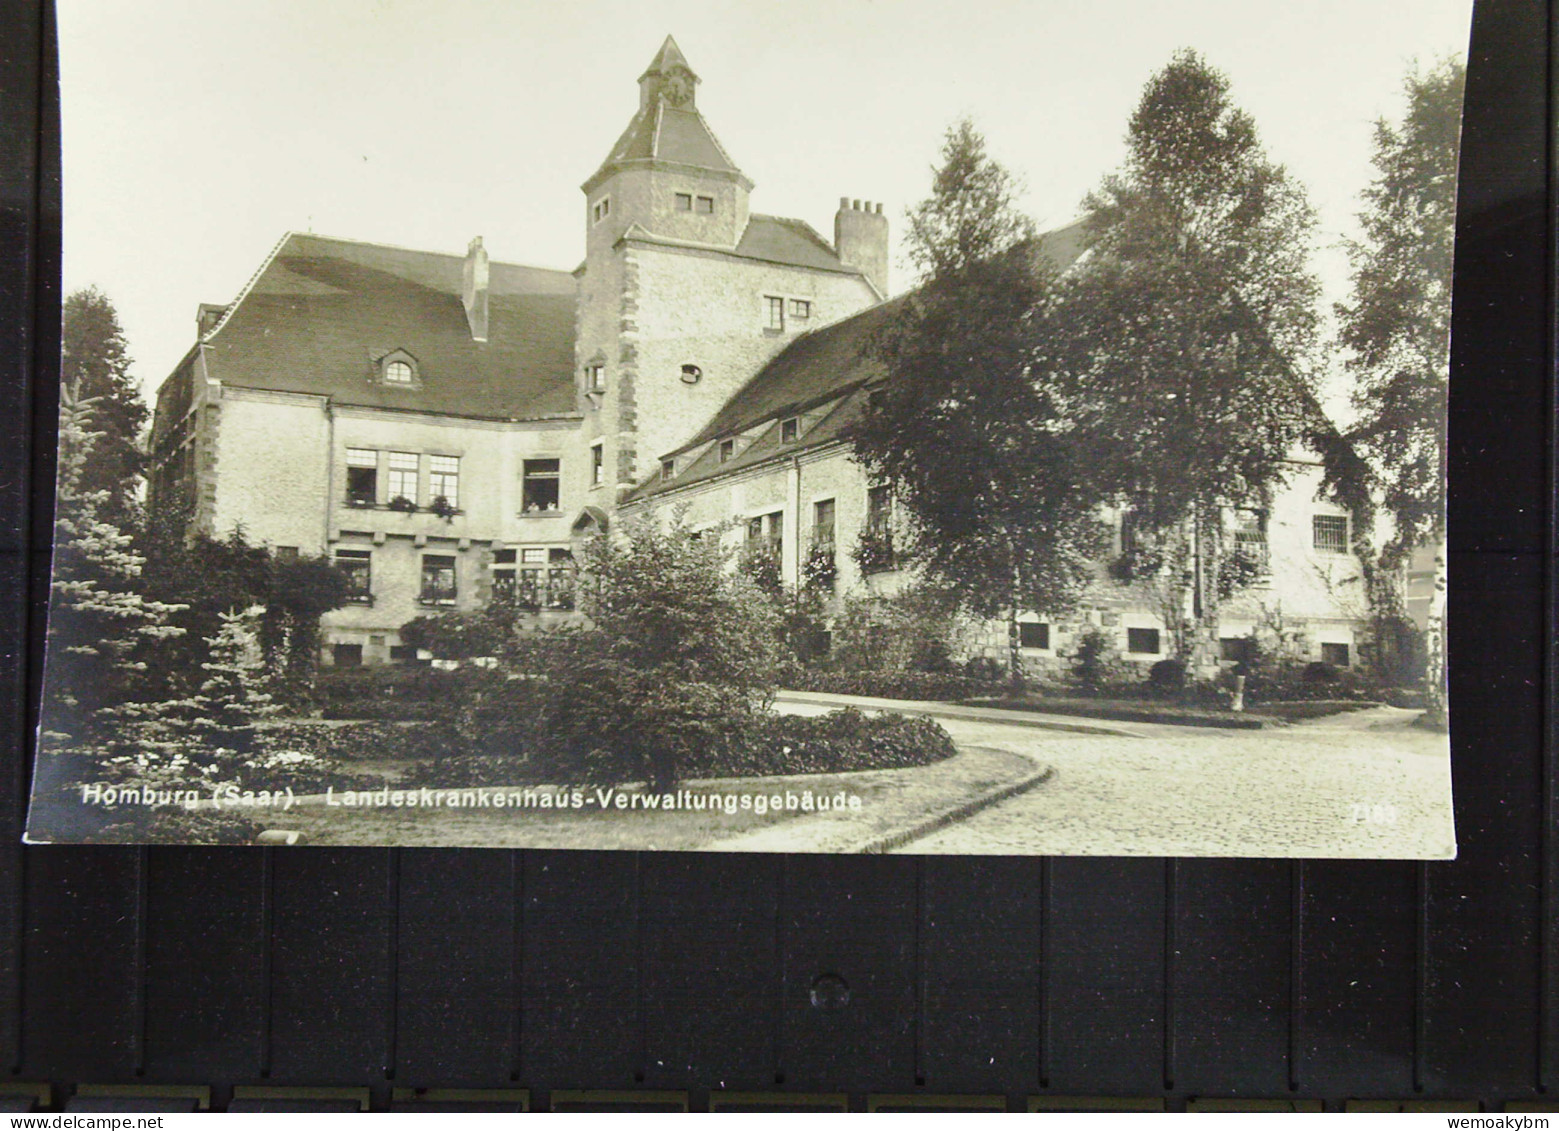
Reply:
x=727, y=450
x=790, y=430
x=668, y=470
x=399, y=368
x=601, y=209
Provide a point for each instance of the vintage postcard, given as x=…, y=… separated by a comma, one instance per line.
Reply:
x=1001, y=428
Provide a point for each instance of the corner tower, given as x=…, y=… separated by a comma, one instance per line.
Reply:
x=684, y=294
x=668, y=174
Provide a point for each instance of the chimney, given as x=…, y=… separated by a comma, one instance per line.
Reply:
x=473, y=289
x=861, y=239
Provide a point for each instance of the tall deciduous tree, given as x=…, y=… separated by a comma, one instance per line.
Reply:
x=1190, y=327
x=1396, y=327
x=989, y=471
x=96, y=363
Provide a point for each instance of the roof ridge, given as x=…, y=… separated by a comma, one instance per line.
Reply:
x=243, y=291
x=425, y=251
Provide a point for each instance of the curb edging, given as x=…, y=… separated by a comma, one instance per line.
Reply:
x=887, y=842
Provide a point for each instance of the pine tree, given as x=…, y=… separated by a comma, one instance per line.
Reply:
x=990, y=472
x=96, y=363
x=1190, y=329
x=232, y=698
x=1396, y=328
x=98, y=618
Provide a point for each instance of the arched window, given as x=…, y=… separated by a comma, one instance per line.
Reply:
x=398, y=373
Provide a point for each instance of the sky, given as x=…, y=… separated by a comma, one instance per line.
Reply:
x=197, y=134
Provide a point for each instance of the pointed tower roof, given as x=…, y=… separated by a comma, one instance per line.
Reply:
x=668, y=129
x=669, y=56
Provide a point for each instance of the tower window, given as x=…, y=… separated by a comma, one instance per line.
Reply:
x=601, y=210
x=597, y=464
x=684, y=202
x=775, y=309
x=704, y=204
x=595, y=378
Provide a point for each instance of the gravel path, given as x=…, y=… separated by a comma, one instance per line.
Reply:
x=1365, y=784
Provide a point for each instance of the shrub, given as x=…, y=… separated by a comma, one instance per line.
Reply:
x=1321, y=672
x=890, y=685
x=1167, y=675
x=838, y=742
x=986, y=669
x=1092, y=661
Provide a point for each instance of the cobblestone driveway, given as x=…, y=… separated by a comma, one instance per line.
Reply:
x=1364, y=784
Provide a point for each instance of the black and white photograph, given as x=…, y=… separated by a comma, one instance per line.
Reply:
x=1010, y=428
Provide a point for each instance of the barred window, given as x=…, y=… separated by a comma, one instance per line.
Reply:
x=438, y=579
x=358, y=567
x=1331, y=533
x=403, y=476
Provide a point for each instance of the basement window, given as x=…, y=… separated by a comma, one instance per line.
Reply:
x=1142, y=641
x=1033, y=635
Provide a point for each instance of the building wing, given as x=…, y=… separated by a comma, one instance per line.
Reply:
x=323, y=314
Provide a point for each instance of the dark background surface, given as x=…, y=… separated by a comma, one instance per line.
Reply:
x=387, y=968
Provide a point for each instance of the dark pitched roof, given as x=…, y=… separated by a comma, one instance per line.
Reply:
x=321, y=312
x=828, y=364
x=816, y=367
x=830, y=360
x=795, y=242
x=667, y=133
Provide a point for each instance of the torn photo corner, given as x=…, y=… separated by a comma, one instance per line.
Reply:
x=557, y=459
